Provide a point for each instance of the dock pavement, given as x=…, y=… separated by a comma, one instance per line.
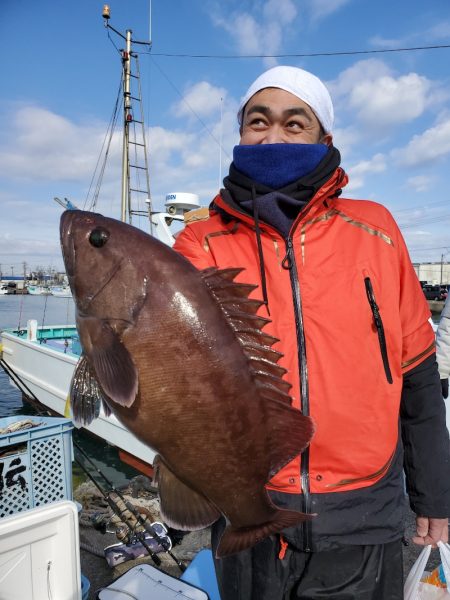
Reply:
x=100, y=574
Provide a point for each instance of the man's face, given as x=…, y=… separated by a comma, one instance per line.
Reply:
x=274, y=116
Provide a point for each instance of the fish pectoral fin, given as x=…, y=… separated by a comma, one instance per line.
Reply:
x=236, y=539
x=291, y=432
x=113, y=365
x=85, y=394
x=182, y=507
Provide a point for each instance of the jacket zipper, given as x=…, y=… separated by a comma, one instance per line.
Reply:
x=379, y=326
x=289, y=264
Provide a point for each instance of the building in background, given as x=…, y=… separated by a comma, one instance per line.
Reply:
x=437, y=273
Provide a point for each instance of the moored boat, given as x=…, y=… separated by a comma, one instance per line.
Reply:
x=61, y=291
x=39, y=290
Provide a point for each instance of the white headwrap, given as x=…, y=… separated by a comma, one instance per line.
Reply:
x=302, y=84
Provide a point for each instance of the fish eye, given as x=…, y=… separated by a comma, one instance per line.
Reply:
x=98, y=237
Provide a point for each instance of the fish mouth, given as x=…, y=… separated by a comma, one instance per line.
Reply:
x=67, y=245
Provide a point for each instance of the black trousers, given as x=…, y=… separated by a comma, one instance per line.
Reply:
x=349, y=573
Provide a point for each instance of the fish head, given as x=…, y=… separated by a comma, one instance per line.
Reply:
x=104, y=266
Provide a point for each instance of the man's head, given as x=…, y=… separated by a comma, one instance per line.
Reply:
x=286, y=105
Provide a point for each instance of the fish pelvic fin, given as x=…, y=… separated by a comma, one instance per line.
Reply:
x=182, y=507
x=85, y=394
x=236, y=539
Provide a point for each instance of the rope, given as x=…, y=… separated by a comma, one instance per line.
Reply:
x=41, y=332
x=108, y=136
x=20, y=312
x=92, y=549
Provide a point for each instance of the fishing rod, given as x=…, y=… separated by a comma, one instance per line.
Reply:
x=130, y=506
x=143, y=521
x=120, y=509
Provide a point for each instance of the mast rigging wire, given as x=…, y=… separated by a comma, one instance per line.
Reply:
x=190, y=107
x=108, y=136
x=304, y=54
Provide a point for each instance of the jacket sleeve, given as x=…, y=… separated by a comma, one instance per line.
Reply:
x=443, y=341
x=425, y=441
x=190, y=246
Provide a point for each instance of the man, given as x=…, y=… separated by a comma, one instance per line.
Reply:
x=352, y=321
x=443, y=347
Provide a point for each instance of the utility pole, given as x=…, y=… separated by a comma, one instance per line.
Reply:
x=442, y=266
x=24, y=273
x=12, y=271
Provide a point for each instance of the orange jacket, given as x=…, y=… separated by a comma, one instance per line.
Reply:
x=351, y=319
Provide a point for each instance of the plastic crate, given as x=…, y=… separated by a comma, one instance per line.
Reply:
x=35, y=464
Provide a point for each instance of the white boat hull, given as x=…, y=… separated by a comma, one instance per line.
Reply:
x=48, y=373
x=37, y=290
x=61, y=292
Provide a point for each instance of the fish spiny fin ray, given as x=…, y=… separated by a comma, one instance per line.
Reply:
x=240, y=312
x=290, y=431
x=182, y=507
x=86, y=396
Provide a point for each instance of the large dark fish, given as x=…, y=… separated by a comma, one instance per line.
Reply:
x=181, y=360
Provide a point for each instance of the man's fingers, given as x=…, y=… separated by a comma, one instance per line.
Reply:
x=430, y=531
x=422, y=525
x=438, y=530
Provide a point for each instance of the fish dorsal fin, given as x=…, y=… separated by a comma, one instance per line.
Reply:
x=292, y=431
x=240, y=312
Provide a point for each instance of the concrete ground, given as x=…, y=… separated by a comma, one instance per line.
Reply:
x=96, y=569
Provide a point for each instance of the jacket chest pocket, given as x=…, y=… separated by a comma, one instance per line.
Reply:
x=378, y=322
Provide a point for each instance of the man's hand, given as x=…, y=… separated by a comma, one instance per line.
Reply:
x=444, y=386
x=430, y=531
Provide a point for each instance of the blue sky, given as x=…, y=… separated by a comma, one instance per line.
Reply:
x=61, y=75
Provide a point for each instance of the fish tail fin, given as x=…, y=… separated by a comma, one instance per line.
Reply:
x=236, y=539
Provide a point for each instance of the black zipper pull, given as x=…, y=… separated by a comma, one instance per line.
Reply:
x=288, y=259
x=373, y=303
x=379, y=327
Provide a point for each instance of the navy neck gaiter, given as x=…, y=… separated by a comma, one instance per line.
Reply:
x=277, y=165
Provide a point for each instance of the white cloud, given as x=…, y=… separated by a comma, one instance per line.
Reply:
x=371, y=69
x=441, y=31
x=262, y=35
x=431, y=145
x=46, y=146
x=345, y=140
x=323, y=8
x=380, y=99
x=358, y=173
x=381, y=42
x=420, y=183
x=388, y=100
x=202, y=98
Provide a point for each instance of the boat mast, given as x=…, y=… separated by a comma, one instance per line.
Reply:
x=127, y=210
x=127, y=117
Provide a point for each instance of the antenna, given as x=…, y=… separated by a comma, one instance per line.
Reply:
x=150, y=21
x=220, y=143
